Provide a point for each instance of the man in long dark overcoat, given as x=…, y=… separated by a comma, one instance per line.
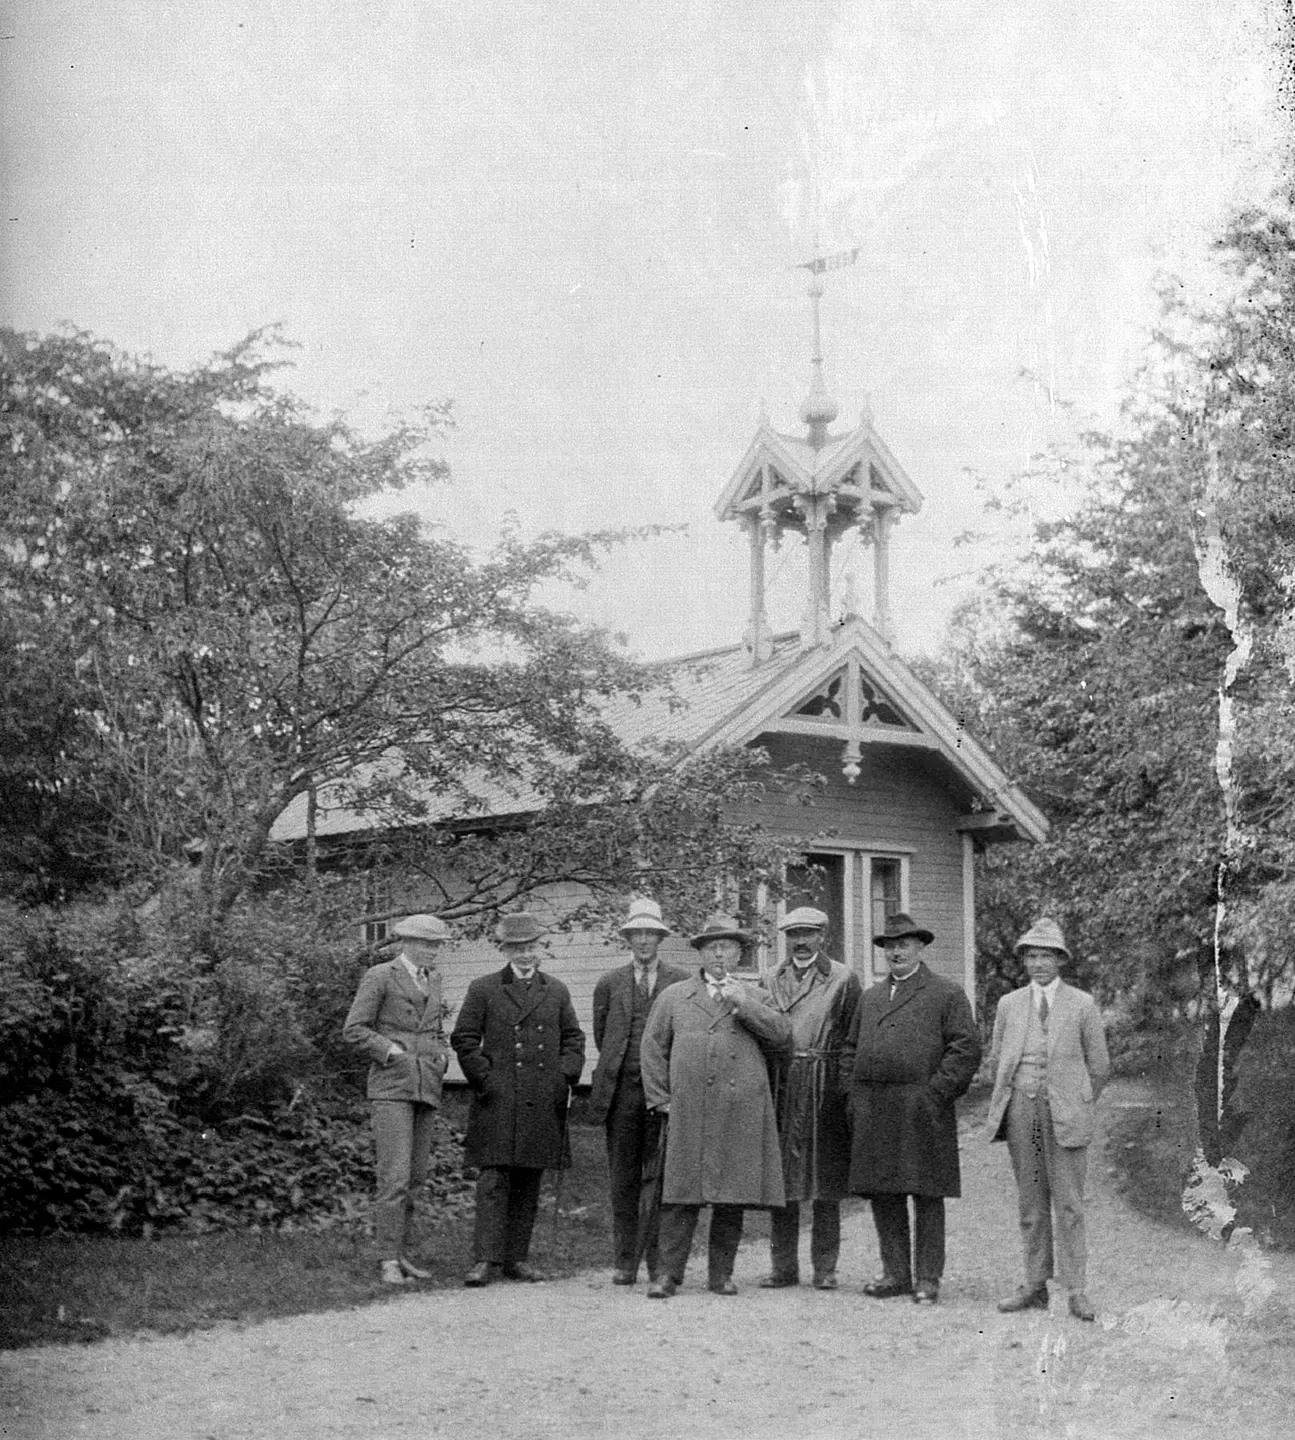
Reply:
x=522, y=1049
x=913, y=1050
x=819, y=996
x=622, y=1000
x=706, y=1053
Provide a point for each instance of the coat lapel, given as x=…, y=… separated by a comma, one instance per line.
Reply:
x=908, y=990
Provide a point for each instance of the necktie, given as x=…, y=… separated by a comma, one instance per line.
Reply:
x=424, y=984
x=644, y=987
x=1043, y=1008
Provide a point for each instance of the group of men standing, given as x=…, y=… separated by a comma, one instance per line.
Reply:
x=799, y=1090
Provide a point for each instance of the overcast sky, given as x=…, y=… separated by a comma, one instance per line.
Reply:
x=579, y=220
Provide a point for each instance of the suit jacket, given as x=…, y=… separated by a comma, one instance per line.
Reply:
x=613, y=1002
x=389, y=1007
x=913, y=1056
x=1078, y=1064
x=521, y=1050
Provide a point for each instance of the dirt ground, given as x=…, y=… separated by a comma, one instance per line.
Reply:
x=1189, y=1342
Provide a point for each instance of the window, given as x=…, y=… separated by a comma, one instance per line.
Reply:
x=377, y=906
x=885, y=898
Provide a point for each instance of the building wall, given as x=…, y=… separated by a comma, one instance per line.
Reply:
x=899, y=806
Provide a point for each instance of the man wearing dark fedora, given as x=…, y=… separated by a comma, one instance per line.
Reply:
x=1049, y=1064
x=396, y=1020
x=706, y=1053
x=819, y=996
x=622, y=1000
x=521, y=1049
x=912, y=1051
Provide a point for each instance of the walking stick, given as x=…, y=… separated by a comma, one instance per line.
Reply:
x=564, y=1162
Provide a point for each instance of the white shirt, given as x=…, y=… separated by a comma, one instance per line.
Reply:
x=524, y=975
x=1050, y=990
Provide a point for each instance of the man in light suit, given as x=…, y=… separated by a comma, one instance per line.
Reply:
x=622, y=999
x=1049, y=1064
x=397, y=1021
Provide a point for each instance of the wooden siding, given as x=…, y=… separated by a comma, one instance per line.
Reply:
x=903, y=804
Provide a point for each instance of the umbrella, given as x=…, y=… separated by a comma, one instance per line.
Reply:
x=653, y=1177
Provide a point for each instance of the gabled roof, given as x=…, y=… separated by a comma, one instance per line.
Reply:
x=877, y=475
x=719, y=698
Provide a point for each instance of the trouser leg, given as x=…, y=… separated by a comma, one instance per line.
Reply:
x=490, y=1223
x=626, y=1126
x=1025, y=1145
x=420, y=1157
x=678, y=1225
x=825, y=1237
x=725, y=1236
x=1067, y=1168
x=784, y=1240
x=393, y=1144
x=523, y=1202
x=928, y=1218
x=894, y=1239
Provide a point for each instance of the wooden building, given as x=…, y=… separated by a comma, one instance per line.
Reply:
x=909, y=794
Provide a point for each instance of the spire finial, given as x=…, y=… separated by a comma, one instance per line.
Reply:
x=819, y=409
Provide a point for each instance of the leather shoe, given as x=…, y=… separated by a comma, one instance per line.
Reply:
x=623, y=1277
x=392, y=1274
x=722, y=1287
x=412, y=1271
x=1026, y=1298
x=927, y=1293
x=778, y=1282
x=482, y=1273
x=661, y=1289
x=522, y=1271
x=886, y=1287
x=1081, y=1307
x=826, y=1281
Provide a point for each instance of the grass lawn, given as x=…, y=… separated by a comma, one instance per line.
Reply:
x=57, y=1288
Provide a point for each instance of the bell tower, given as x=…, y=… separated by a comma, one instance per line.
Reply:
x=820, y=485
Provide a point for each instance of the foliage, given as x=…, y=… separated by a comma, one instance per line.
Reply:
x=653, y=821
x=1095, y=663
x=214, y=629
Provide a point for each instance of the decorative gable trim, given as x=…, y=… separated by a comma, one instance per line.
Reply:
x=857, y=646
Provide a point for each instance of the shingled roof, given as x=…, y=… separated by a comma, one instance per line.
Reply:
x=717, y=697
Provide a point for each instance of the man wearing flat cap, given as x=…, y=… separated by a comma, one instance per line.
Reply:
x=522, y=1049
x=913, y=1050
x=818, y=996
x=1049, y=1064
x=622, y=1000
x=397, y=1021
x=705, y=1059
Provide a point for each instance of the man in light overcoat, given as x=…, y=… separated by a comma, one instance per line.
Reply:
x=623, y=999
x=705, y=1056
x=818, y=995
x=396, y=1020
x=913, y=1051
x=1049, y=1064
x=522, y=1049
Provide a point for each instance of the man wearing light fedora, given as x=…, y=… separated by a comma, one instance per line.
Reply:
x=706, y=1052
x=1049, y=1064
x=913, y=1050
x=397, y=1021
x=622, y=999
x=522, y=1049
x=818, y=996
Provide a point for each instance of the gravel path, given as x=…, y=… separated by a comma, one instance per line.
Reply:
x=1173, y=1353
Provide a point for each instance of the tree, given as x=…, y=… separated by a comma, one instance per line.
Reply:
x=214, y=630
